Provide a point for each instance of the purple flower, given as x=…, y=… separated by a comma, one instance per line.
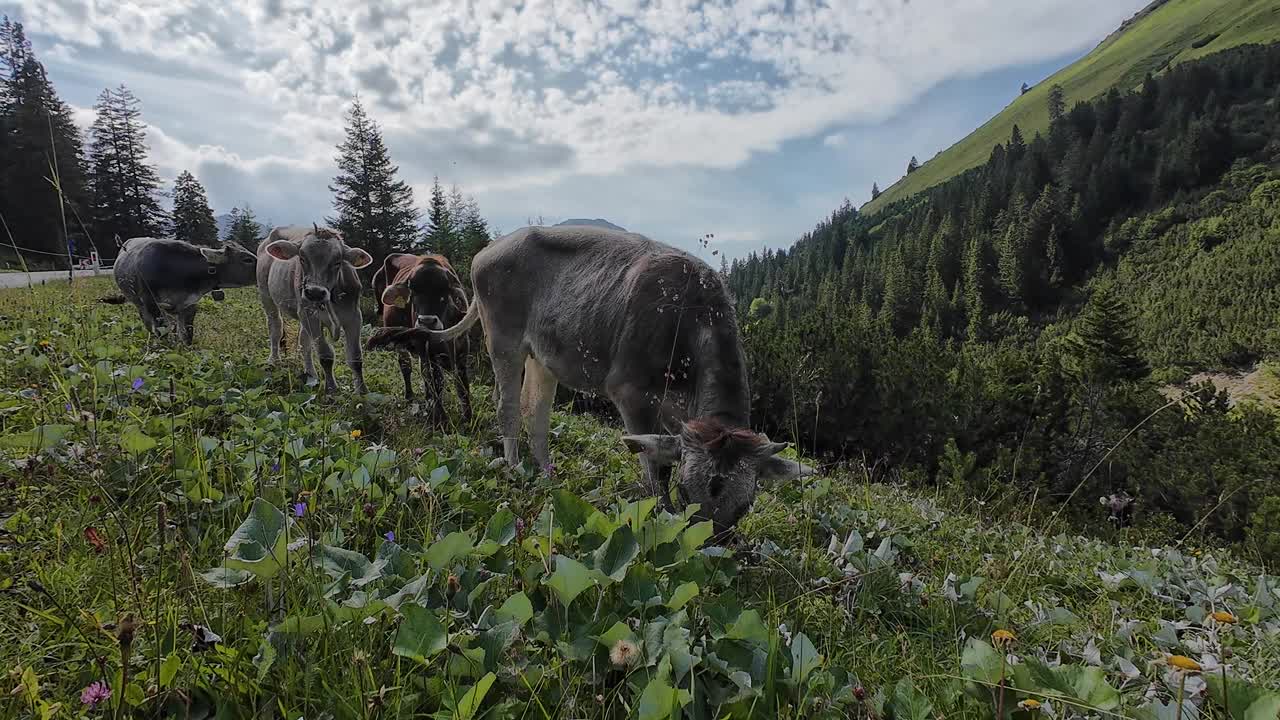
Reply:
x=96, y=692
x=299, y=509
x=137, y=385
x=68, y=407
x=549, y=469
x=390, y=536
x=275, y=467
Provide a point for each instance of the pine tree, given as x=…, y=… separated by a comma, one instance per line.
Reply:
x=474, y=230
x=192, y=218
x=977, y=281
x=125, y=188
x=42, y=175
x=439, y=224
x=1057, y=103
x=375, y=210
x=245, y=229
x=913, y=165
x=1102, y=346
x=875, y=191
x=1012, y=259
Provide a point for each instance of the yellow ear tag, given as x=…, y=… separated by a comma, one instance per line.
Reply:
x=401, y=301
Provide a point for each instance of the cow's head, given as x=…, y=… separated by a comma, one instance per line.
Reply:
x=322, y=259
x=721, y=466
x=425, y=289
x=233, y=265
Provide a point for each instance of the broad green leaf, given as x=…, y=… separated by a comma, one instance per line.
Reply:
x=749, y=627
x=471, y=701
x=169, y=669
x=619, y=631
x=134, y=441
x=640, y=589
x=412, y=592
x=683, y=595
x=694, y=537
x=660, y=701
x=804, y=657
x=980, y=662
x=1090, y=685
x=517, y=608
x=571, y=511
x=444, y=552
x=225, y=577
x=38, y=439
x=569, y=580
x=336, y=561
x=635, y=513
x=615, y=556
x=1244, y=700
x=134, y=695
x=501, y=528
x=260, y=544
x=908, y=703
x=420, y=635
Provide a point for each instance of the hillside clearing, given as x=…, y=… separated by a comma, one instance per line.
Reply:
x=1175, y=32
x=379, y=569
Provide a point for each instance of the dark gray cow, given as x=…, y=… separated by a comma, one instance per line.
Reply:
x=166, y=278
x=310, y=274
x=649, y=326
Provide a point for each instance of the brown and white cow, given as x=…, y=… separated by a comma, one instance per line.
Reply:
x=423, y=291
x=649, y=326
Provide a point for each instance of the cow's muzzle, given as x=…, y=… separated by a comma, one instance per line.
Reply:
x=315, y=293
x=429, y=322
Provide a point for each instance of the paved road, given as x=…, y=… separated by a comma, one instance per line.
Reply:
x=20, y=279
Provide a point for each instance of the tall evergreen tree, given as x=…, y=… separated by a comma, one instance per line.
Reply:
x=913, y=165
x=1102, y=345
x=125, y=187
x=192, y=217
x=375, y=209
x=42, y=176
x=439, y=224
x=1057, y=103
x=245, y=229
x=875, y=191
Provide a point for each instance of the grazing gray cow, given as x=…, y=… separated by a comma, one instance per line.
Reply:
x=647, y=325
x=310, y=273
x=166, y=278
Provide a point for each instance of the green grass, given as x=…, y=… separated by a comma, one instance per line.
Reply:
x=1156, y=41
x=116, y=502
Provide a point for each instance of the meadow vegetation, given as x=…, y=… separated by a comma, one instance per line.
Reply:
x=194, y=534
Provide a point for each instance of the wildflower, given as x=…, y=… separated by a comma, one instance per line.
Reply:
x=355, y=434
x=370, y=509
x=97, y=692
x=1003, y=638
x=1029, y=705
x=94, y=538
x=549, y=469
x=624, y=653
x=454, y=583
x=299, y=509
x=1225, y=617
x=860, y=693
x=390, y=536
x=1184, y=663
x=137, y=384
x=44, y=343
x=275, y=466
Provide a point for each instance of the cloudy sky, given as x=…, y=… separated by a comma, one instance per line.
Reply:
x=750, y=120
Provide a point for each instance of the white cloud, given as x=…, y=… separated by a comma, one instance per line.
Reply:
x=531, y=93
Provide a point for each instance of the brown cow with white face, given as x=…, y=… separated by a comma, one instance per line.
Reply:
x=647, y=325
x=423, y=291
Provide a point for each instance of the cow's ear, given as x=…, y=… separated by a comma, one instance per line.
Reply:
x=662, y=449
x=772, y=468
x=283, y=249
x=390, y=267
x=397, y=295
x=358, y=258
x=216, y=256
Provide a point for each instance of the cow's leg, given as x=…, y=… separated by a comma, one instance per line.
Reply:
x=305, y=331
x=406, y=371
x=508, y=366
x=433, y=380
x=325, y=351
x=187, y=322
x=351, y=323
x=275, y=328
x=641, y=416
x=537, y=395
x=150, y=316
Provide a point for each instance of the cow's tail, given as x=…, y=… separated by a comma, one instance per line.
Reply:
x=467, y=322
x=114, y=300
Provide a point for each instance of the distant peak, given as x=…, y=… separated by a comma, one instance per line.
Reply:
x=595, y=222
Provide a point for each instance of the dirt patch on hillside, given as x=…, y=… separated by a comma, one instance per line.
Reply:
x=1260, y=384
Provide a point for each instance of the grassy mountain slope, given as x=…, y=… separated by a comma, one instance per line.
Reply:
x=406, y=575
x=1157, y=38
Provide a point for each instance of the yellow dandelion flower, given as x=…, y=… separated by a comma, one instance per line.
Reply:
x=1003, y=637
x=1224, y=617
x=1029, y=704
x=1182, y=662
x=624, y=653
x=355, y=434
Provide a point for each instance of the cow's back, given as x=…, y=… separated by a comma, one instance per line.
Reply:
x=159, y=266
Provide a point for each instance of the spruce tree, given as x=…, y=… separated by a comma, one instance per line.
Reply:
x=913, y=165
x=439, y=224
x=43, y=194
x=125, y=187
x=875, y=191
x=192, y=217
x=245, y=229
x=375, y=209
x=1057, y=103
x=1102, y=345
